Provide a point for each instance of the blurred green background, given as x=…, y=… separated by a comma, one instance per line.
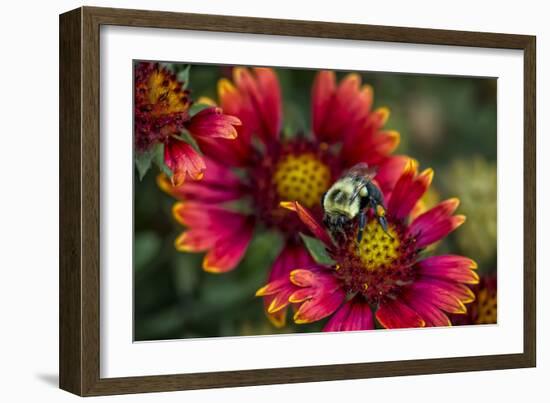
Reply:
x=447, y=123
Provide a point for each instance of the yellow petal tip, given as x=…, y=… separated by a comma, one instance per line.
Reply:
x=460, y=219
x=428, y=174
x=262, y=291
x=384, y=113
x=288, y=205
x=206, y=101
x=209, y=268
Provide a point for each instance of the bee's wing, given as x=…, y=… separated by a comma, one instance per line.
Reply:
x=363, y=170
x=365, y=173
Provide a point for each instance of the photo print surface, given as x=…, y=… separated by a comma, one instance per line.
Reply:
x=271, y=200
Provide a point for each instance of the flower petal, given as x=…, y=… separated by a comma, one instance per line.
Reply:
x=338, y=111
x=449, y=267
x=228, y=251
x=224, y=234
x=234, y=152
x=408, y=190
x=321, y=296
x=256, y=101
x=439, y=297
x=383, y=143
x=279, y=287
x=324, y=86
x=291, y=257
x=432, y=315
x=369, y=142
x=270, y=100
x=353, y=315
x=436, y=223
x=198, y=240
x=260, y=101
x=211, y=122
x=394, y=314
x=307, y=218
x=389, y=173
x=460, y=291
x=183, y=160
x=218, y=185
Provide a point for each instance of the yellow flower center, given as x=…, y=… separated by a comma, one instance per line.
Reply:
x=302, y=178
x=166, y=93
x=379, y=249
x=487, y=307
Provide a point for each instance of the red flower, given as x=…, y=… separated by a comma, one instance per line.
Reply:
x=271, y=169
x=385, y=273
x=483, y=311
x=162, y=113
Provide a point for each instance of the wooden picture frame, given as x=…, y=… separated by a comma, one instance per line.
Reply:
x=80, y=200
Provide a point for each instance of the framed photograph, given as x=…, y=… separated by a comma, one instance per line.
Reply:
x=249, y=201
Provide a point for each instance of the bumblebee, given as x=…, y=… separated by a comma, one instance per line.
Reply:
x=351, y=197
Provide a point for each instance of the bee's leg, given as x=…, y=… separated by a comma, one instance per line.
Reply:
x=381, y=218
x=361, y=226
x=383, y=223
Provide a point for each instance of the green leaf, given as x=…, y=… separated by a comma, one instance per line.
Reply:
x=158, y=159
x=186, y=137
x=183, y=76
x=317, y=250
x=143, y=162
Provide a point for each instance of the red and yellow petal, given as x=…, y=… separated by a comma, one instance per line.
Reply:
x=436, y=223
x=431, y=315
x=369, y=142
x=223, y=234
x=194, y=241
x=317, y=308
x=279, y=288
x=324, y=86
x=383, y=144
x=183, y=161
x=437, y=296
x=395, y=314
x=338, y=110
x=226, y=254
x=449, y=267
x=389, y=173
x=460, y=291
x=256, y=100
x=409, y=189
x=218, y=185
x=270, y=100
x=307, y=218
x=232, y=152
x=212, y=122
x=351, y=316
x=303, y=277
x=320, y=296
